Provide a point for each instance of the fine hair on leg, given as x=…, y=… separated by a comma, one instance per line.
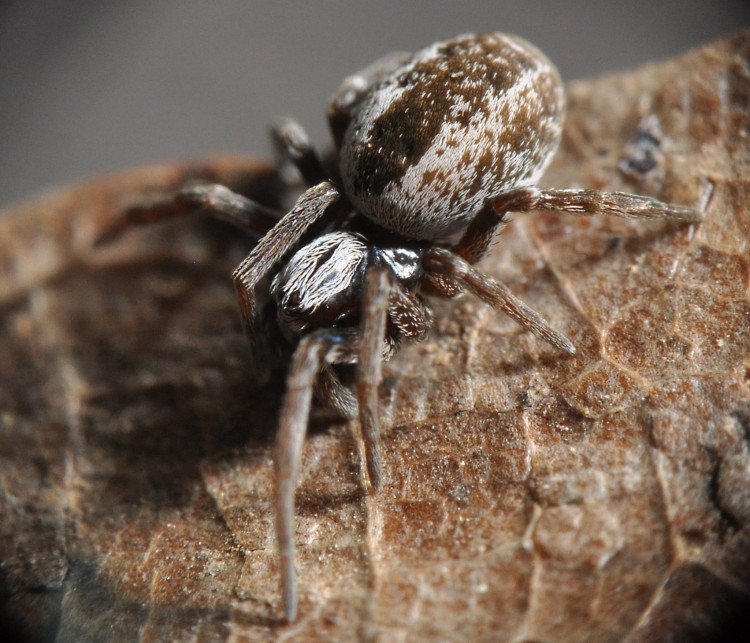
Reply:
x=378, y=286
x=593, y=202
x=496, y=294
x=285, y=235
x=213, y=199
x=312, y=351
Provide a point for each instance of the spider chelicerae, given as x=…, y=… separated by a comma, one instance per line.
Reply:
x=433, y=150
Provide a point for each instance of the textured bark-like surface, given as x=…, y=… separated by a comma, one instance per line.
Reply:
x=527, y=495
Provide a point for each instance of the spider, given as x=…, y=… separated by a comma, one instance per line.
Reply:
x=433, y=150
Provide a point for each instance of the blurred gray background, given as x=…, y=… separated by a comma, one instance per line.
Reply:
x=88, y=86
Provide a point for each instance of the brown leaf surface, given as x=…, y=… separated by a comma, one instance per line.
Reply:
x=527, y=495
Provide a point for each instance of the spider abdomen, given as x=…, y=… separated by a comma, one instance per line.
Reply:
x=458, y=123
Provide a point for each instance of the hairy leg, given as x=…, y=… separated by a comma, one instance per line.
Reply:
x=331, y=392
x=496, y=294
x=591, y=202
x=477, y=239
x=294, y=145
x=314, y=350
x=282, y=238
x=211, y=198
x=389, y=314
x=378, y=286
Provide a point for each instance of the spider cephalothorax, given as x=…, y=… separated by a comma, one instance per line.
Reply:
x=433, y=149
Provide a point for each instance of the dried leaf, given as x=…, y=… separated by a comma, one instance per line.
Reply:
x=527, y=495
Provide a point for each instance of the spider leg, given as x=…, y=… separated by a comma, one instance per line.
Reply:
x=211, y=198
x=477, y=240
x=331, y=392
x=472, y=246
x=294, y=145
x=590, y=202
x=283, y=237
x=322, y=346
x=378, y=286
x=389, y=313
x=496, y=294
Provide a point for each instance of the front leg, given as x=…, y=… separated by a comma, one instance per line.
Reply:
x=313, y=351
x=285, y=235
x=390, y=313
x=378, y=286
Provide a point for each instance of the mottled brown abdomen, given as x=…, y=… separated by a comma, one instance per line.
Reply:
x=459, y=123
